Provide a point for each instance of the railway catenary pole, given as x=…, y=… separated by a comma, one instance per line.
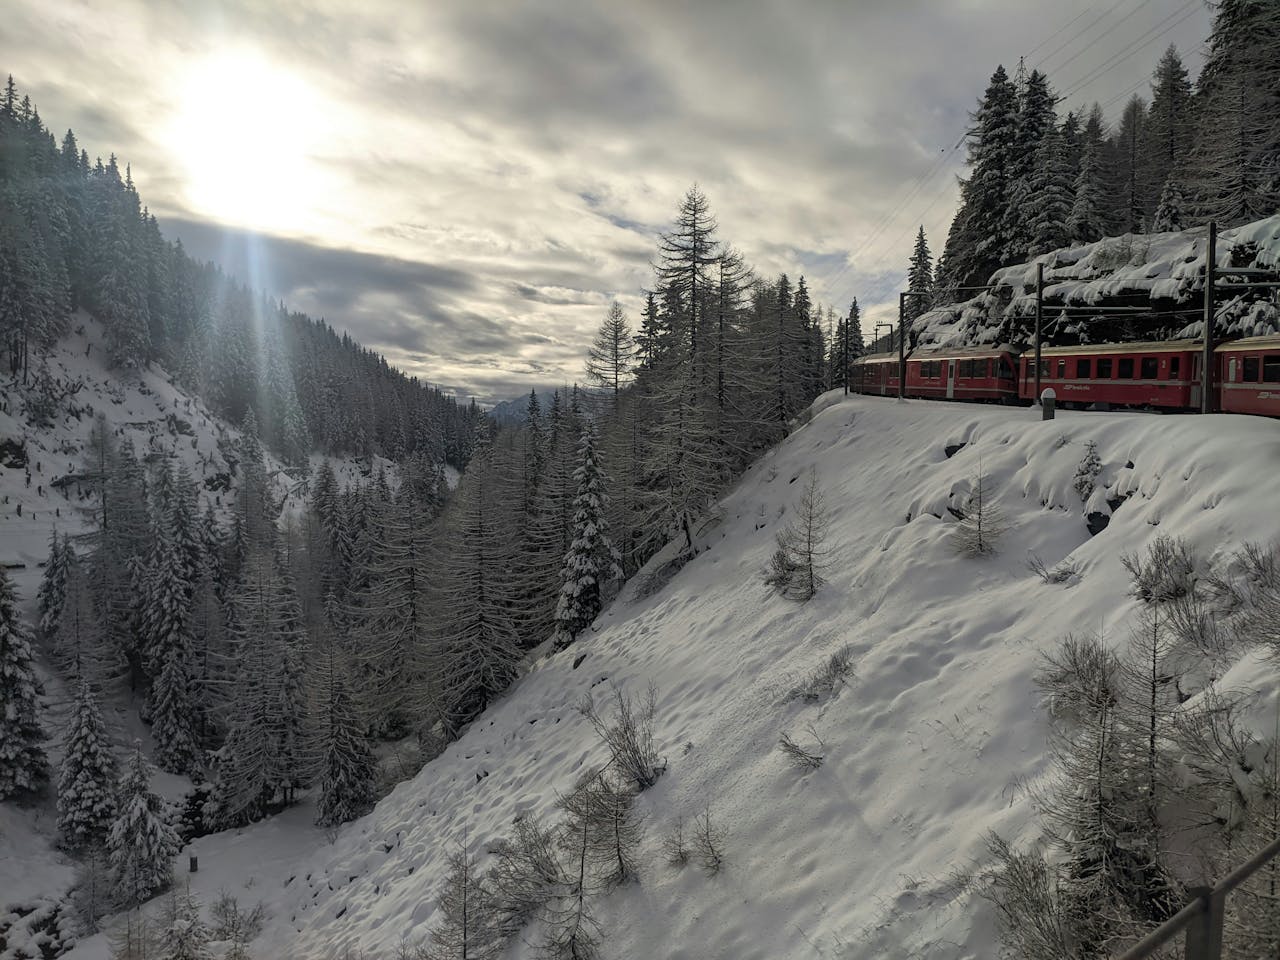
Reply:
x=1039, y=321
x=1206, y=361
x=902, y=339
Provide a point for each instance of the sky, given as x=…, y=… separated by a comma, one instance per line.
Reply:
x=465, y=185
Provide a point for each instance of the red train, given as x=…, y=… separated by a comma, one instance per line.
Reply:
x=1157, y=376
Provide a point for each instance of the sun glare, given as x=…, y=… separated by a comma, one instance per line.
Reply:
x=248, y=132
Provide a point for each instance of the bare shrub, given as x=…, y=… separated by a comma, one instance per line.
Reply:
x=1023, y=889
x=708, y=841
x=1060, y=573
x=826, y=678
x=982, y=523
x=1079, y=678
x=465, y=928
x=1166, y=572
x=234, y=924
x=798, y=755
x=674, y=848
x=526, y=876
x=629, y=737
x=1195, y=625
x=613, y=832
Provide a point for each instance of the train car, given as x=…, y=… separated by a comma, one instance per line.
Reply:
x=964, y=374
x=1248, y=376
x=875, y=373
x=1163, y=375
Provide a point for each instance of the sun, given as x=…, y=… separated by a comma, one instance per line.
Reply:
x=247, y=134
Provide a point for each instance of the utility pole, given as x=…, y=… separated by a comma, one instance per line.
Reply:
x=844, y=356
x=902, y=354
x=1206, y=362
x=1039, y=321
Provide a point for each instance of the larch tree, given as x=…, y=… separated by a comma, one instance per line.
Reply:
x=346, y=768
x=609, y=358
x=24, y=767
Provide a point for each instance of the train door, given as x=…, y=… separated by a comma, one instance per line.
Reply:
x=1196, y=361
x=951, y=378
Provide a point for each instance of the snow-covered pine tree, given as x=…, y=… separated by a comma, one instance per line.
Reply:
x=1169, y=121
x=24, y=767
x=52, y=594
x=1169, y=215
x=919, y=279
x=183, y=933
x=141, y=844
x=87, y=777
x=1049, y=203
x=1086, y=223
x=1127, y=168
x=346, y=769
x=1035, y=118
x=166, y=643
x=592, y=560
x=976, y=243
x=80, y=647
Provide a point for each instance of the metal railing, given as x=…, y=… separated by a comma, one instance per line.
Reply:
x=1203, y=917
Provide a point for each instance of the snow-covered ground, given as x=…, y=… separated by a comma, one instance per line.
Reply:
x=923, y=747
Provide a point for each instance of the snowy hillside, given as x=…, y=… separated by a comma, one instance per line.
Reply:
x=1164, y=271
x=923, y=746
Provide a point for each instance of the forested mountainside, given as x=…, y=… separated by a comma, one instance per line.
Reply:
x=1091, y=198
x=74, y=234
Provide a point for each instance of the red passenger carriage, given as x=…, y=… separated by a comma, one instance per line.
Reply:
x=1248, y=376
x=1162, y=375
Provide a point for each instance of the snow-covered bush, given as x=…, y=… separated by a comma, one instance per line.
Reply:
x=826, y=678
x=1086, y=476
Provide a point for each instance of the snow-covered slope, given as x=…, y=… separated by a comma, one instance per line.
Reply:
x=1163, y=270
x=922, y=747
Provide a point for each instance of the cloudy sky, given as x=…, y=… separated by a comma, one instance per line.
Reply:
x=466, y=185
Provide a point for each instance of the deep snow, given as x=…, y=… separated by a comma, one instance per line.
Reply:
x=923, y=747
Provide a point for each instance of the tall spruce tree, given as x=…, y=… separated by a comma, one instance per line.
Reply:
x=919, y=279
x=141, y=844
x=87, y=777
x=592, y=560
x=24, y=767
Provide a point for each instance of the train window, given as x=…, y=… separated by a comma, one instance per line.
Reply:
x=1006, y=369
x=1082, y=368
x=1150, y=368
x=1044, y=368
x=1104, y=368
x=1271, y=369
x=966, y=368
x=1124, y=370
x=1251, y=365
x=1173, y=367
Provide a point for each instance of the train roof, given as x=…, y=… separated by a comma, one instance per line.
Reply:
x=876, y=357
x=1269, y=342
x=1140, y=346
x=963, y=353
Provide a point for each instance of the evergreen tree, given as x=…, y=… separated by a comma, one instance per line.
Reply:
x=52, y=594
x=1052, y=196
x=183, y=933
x=592, y=560
x=141, y=844
x=919, y=279
x=1169, y=212
x=977, y=242
x=347, y=768
x=87, y=777
x=1035, y=119
x=1085, y=223
x=1128, y=186
x=1169, y=126
x=23, y=765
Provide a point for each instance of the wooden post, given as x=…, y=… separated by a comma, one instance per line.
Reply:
x=1206, y=362
x=1204, y=934
x=902, y=355
x=1039, y=321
